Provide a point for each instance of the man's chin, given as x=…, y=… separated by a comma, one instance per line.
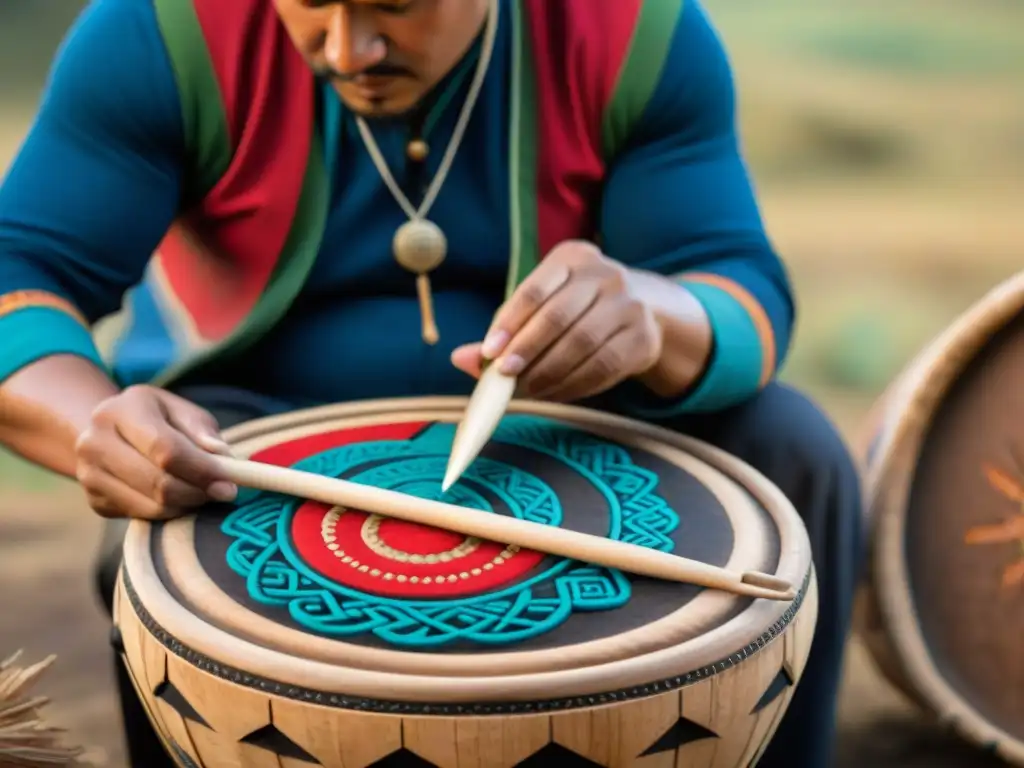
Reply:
x=384, y=106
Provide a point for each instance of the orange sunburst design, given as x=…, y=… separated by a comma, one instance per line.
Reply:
x=1006, y=532
x=1002, y=482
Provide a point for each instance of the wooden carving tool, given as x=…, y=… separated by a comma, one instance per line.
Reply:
x=502, y=529
x=487, y=404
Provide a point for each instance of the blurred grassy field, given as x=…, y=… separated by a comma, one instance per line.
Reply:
x=887, y=143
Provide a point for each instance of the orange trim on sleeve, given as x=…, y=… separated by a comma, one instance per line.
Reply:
x=15, y=300
x=753, y=308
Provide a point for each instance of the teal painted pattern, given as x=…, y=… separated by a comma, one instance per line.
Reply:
x=263, y=554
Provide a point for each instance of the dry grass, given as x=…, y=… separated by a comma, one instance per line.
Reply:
x=25, y=739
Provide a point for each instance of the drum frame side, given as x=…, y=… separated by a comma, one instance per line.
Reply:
x=886, y=618
x=450, y=696
x=226, y=709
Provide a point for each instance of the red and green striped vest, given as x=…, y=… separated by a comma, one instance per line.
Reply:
x=228, y=269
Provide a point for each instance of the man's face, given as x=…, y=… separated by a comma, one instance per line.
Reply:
x=383, y=56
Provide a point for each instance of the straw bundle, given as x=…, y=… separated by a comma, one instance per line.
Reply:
x=25, y=741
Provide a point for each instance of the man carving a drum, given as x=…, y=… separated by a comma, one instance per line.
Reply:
x=355, y=199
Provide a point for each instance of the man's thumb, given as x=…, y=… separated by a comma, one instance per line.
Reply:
x=468, y=359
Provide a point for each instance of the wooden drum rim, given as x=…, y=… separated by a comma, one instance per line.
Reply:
x=693, y=659
x=912, y=404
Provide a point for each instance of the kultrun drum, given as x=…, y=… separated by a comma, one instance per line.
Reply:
x=942, y=610
x=285, y=632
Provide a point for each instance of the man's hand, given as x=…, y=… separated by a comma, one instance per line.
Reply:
x=573, y=329
x=146, y=454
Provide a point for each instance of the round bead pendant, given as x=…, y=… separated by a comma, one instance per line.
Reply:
x=420, y=246
x=418, y=150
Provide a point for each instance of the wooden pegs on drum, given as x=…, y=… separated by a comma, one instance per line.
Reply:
x=284, y=631
x=943, y=604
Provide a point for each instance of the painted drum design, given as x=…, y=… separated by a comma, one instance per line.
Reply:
x=279, y=629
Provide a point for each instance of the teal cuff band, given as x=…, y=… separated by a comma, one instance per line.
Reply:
x=32, y=333
x=734, y=370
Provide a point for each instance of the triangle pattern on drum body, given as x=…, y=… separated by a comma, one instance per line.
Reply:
x=175, y=699
x=556, y=754
x=402, y=758
x=682, y=732
x=778, y=685
x=272, y=740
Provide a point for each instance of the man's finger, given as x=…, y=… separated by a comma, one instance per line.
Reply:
x=143, y=420
x=196, y=423
x=599, y=372
x=469, y=359
x=593, y=330
x=552, y=322
x=111, y=497
x=535, y=291
x=176, y=454
x=121, y=460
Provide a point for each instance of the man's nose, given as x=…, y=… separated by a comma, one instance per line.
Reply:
x=352, y=43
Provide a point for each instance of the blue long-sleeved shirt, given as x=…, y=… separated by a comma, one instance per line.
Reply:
x=101, y=175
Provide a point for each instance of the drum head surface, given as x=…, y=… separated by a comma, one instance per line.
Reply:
x=308, y=592
x=964, y=533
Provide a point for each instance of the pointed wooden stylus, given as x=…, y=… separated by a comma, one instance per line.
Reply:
x=486, y=406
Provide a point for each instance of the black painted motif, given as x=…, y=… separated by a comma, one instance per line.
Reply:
x=776, y=688
x=556, y=755
x=683, y=731
x=271, y=739
x=172, y=697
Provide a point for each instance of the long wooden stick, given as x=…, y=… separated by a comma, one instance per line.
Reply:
x=502, y=529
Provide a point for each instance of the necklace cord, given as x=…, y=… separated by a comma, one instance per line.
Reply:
x=487, y=51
